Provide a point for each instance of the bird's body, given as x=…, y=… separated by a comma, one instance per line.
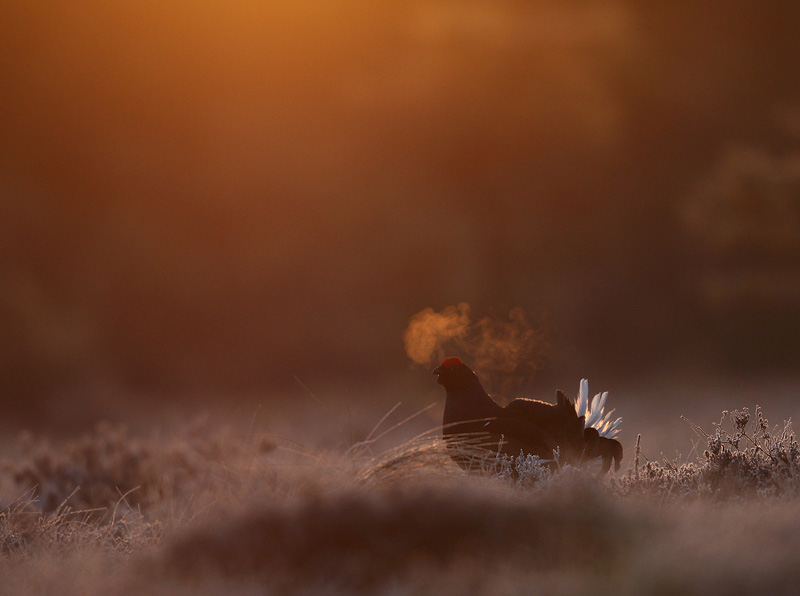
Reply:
x=529, y=426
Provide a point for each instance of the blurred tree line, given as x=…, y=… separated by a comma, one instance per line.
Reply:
x=222, y=195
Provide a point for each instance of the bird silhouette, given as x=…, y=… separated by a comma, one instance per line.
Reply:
x=579, y=431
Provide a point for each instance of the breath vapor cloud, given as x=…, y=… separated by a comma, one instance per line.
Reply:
x=507, y=351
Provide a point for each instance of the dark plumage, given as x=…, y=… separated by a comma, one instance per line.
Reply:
x=524, y=425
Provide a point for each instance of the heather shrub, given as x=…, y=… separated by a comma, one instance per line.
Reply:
x=107, y=471
x=743, y=457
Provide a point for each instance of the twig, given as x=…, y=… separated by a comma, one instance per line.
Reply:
x=695, y=428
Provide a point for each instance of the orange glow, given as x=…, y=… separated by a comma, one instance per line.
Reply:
x=196, y=184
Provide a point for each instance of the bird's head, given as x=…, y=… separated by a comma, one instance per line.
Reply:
x=453, y=374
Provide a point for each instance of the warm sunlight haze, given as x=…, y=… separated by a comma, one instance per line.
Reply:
x=237, y=238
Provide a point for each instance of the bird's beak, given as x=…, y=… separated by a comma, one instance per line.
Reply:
x=436, y=370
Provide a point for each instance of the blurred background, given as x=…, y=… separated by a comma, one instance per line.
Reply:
x=234, y=198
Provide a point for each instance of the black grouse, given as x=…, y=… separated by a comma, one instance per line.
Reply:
x=579, y=433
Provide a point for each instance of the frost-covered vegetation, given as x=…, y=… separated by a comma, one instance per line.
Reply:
x=210, y=510
x=743, y=458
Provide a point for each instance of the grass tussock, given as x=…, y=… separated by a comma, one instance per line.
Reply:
x=210, y=511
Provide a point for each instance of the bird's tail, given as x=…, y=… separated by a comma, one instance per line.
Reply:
x=594, y=412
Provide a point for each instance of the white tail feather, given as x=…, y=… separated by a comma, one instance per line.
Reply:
x=582, y=403
x=595, y=416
